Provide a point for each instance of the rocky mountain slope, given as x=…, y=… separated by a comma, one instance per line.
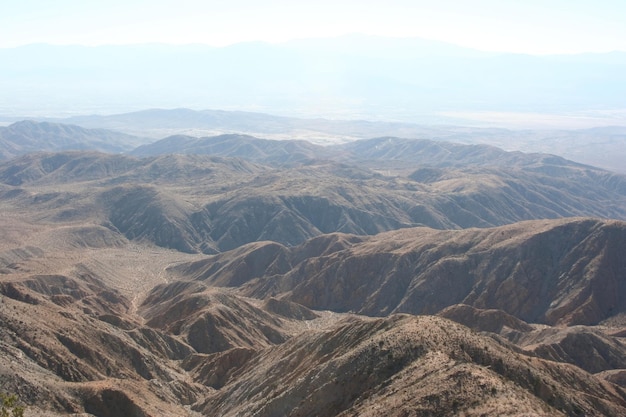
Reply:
x=189, y=285
x=594, y=349
x=211, y=204
x=93, y=322
x=404, y=365
x=560, y=272
x=70, y=344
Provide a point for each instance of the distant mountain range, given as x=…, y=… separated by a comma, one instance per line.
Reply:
x=28, y=136
x=602, y=147
x=367, y=77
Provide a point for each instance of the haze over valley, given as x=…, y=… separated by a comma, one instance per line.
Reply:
x=349, y=77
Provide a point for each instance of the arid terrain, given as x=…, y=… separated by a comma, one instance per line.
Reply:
x=235, y=276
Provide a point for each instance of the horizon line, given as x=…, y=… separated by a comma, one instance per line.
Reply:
x=304, y=39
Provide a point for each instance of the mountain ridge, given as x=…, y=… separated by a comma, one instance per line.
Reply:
x=601, y=147
x=538, y=271
x=27, y=136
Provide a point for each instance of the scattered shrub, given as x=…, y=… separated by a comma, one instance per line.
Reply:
x=9, y=406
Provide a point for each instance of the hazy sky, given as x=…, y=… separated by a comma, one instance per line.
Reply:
x=528, y=26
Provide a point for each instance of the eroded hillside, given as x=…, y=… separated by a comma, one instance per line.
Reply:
x=190, y=285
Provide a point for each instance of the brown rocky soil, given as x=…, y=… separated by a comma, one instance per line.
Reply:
x=108, y=307
x=112, y=328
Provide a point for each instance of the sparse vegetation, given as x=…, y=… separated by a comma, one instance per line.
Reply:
x=9, y=406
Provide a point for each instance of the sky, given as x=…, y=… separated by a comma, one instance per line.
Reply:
x=528, y=26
